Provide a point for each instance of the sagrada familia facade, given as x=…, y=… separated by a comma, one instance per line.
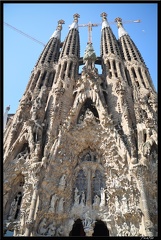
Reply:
x=80, y=153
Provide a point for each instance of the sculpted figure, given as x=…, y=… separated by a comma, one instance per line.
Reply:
x=133, y=230
x=124, y=204
x=62, y=182
x=119, y=231
x=125, y=229
x=13, y=209
x=61, y=205
x=37, y=130
x=83, y=198
x=59, y=231
x=42, y=227
x=87, y=222
x=51, y=230
x=52, y=204
x=102, y=196
x=76, y=197
x=117, y=204
x=96, y=201
x=87, y=157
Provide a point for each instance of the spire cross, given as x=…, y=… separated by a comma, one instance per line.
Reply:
x=60, y=22
x=76, y=16
x=104, y=16
x=89, y=25
x=119, y=21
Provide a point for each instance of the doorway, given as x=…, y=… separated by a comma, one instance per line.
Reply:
x=77, y=229
x=100, y=229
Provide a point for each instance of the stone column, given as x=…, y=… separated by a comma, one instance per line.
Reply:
x=147, y=222
x=29, y=223
x=88, y=200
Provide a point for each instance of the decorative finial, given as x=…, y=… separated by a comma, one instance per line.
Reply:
x=121, y=30
x=76, y=16
x=104, y=20
x=104, y=16
x=60, y=22
x=75, y=23
x=119, y=22
x=57, y=33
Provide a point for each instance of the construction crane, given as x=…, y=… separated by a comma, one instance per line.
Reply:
x=26, y=35
x=90, y=25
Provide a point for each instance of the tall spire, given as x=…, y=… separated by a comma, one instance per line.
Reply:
x=121, y=30
x=75, y=23
x=104, y=20
x=57, y=32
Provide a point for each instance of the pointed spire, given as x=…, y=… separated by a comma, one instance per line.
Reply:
x=75, y=23
x=121, y=30
x=104, y=20
x=57, y=32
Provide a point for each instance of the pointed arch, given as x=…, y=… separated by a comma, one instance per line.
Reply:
x=88, y=104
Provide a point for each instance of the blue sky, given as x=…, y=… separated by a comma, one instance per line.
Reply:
x=40, y=21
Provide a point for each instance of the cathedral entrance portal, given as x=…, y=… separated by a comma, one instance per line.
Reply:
x=100, y=229
x=77, y=229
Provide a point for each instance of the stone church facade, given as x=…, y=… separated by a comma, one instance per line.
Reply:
x=80, y=153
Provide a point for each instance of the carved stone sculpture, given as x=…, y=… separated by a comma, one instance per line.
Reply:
x=42, y=229
x=53, y=202
x=51, y=230
x=13, y=209
x=62, y=182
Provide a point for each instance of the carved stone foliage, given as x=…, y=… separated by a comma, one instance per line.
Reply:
x=48, y=228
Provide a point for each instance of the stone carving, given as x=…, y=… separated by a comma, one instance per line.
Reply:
x=87, y=157
x=89, y=56
x=37, y=130
x=89, y=117
x=13, y=209
x=117, y=204
x=102, y=197
x=124, y=206
x=76, y=197
x=82, y=199
x=51, y=230
x=26, y=99
x=22, y=155
x=119, y=87
x=59, y=231
x=119, y=231
x=96, y=201
x=87, y=222
x=53, y=202
x=62, y=182
x=60, y=208
x=125, y=229
x=133, y=230
x=42, y=229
